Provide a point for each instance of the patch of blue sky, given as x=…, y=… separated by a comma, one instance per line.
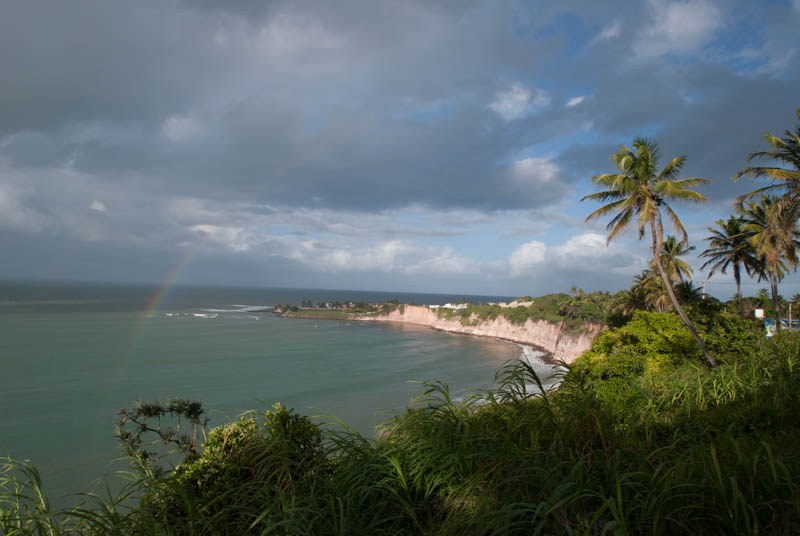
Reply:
x=522, y=21
x=557, y=144
x=570, y=28
x=692, y=97
x=310, y=121
x=579, y=210
x=647, y=130
x=285, y=230
x=738, y=46
x=487, y=242
x=424, y=112
x=573, y=32
x=588, y=137
x=741, y=33
x=554, y=235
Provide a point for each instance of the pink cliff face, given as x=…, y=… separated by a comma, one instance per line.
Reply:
x=542, y=334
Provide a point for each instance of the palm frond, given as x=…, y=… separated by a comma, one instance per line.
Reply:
x=620, y=223
x=677, y=224
x=672, y=168
x=605, y=210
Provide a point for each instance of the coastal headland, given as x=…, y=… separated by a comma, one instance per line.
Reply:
x=558, y=340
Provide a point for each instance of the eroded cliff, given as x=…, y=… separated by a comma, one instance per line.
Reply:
x=542, y=334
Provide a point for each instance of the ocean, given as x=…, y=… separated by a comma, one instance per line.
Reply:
x=73, y=354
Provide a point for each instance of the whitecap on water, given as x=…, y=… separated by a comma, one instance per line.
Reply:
x=550, y=375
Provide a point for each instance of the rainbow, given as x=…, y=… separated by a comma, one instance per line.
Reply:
x=158, y=297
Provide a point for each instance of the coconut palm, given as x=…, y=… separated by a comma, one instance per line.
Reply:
x=642, y=296
x=771, y=228
x=639, y=191
x=687, y=293
x=675, y=267
x=648, y=285
x=786, y=180
x=729, y=247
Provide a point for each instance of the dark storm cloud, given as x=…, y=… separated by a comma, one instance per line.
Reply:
x=319, y=105
x=153, y=123
x=81, y=61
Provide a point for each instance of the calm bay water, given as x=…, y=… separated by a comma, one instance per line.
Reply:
x=73, y=355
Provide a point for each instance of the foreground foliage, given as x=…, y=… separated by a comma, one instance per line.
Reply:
x=640, y=438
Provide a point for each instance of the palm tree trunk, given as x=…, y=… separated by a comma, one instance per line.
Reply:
x=773, y=283
x=658, y=239
x=679, y=310
x=737, y=275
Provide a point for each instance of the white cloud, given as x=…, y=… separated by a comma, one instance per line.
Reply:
x=14, y=213
x=586, y=245
x=575, y=101
x=287, y=36
x=526, y=257
x=389, y=257
x=680, y=27
x=234, y=238
x=609, y=32
x=517, y=101
x=537, y=170
x=98, y=206
x=447, y=263
x=581, y=253
x=340, y=257
x=180, y=128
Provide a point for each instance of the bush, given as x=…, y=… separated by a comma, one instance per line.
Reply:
x=654, y=341
x=244, y=461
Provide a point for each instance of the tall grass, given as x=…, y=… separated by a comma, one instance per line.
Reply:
x=699, y=452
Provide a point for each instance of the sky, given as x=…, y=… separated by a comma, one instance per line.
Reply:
x=403, y=146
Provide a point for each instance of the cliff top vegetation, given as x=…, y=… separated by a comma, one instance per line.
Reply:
x=573, y=310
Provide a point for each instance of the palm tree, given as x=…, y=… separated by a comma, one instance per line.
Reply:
x=632, y=300
x=675, y=267
x=786, y=180
x=687, y=293
x=729, y=247
x=771, y=228
x=649, y=287
x=640, y=191
x=641, y=296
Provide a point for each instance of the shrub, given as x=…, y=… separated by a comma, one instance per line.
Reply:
x=242, y=463
x=653, y=341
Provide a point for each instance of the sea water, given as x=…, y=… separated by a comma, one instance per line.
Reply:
x=73, y=355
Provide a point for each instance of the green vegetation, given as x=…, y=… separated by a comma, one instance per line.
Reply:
x=573, y=311
x=640, y=438
x=639, y=192
x=770, y=225
x=729, y=247
x=337, y=310
x=324, y=314
x=786, y=180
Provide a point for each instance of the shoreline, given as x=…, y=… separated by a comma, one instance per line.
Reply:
x=545, y=356
x=547, y=338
